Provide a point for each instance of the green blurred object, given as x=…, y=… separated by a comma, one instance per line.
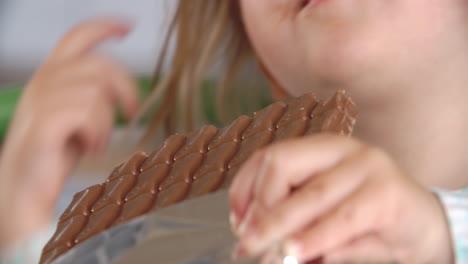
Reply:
x=9, y=96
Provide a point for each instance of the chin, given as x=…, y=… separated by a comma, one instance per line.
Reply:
x=342, y=63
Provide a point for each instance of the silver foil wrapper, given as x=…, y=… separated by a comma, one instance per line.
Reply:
x=193, y=232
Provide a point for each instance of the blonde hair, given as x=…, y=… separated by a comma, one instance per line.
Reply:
x=204, y=33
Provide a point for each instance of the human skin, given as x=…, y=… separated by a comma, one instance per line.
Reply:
x=398, y=60
x=66, y=111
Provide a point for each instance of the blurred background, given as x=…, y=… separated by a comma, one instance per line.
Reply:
x=29, y=30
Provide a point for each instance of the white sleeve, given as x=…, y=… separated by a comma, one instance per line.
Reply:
x=456, y=208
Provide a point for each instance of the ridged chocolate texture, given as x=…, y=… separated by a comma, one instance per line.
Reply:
x=188, y=166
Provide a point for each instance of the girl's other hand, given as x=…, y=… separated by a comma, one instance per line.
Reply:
x=338, y=199
x=67, y=110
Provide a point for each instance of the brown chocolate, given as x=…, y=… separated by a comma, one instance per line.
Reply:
x=206, y=183
x=217, y=159
x=136, y=207
x=197, y=142
x=148, y=181
x=82, y=202
x=231, y=133
x=182, y=171
x=132, y=166
x=184, y=167
x=101, y=219
x=166, y=153
x=66, y=233
x=266, y=119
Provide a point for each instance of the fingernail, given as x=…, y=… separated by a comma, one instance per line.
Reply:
x=252, y=240
x=292, y=248
x=234, y=221
x=245, y=224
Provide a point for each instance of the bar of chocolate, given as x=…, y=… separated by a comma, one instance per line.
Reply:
x=188, y=166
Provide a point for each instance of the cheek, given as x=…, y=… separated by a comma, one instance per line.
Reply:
x=270, y=29
x=393, y=37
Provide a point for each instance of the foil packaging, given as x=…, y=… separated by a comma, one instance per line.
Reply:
x=193, y=232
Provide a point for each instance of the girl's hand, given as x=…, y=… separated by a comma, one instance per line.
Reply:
x=67, y=109
x=338, y=199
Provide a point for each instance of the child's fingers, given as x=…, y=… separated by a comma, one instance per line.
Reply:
x=244, y=178
x=104, y=124
x=73, y=130
x=307, y=204
x=83, y=98
x=366, y=249
x=285, y=166
x=125, y=90
x=357, y=216
x=96, y=125
x=119, y=85
x=82, y=129
x=84, y=114
x=86, y=36
x=289, y=164
x=106, y=131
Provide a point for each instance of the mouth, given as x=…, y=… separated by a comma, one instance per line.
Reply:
x=307, y=3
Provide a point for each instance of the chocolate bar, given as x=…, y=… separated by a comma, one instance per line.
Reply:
x=188, y=166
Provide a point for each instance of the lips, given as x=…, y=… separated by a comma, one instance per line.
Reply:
x=304, y=3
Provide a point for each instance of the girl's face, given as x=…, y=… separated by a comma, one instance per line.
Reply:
x=331, y=43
